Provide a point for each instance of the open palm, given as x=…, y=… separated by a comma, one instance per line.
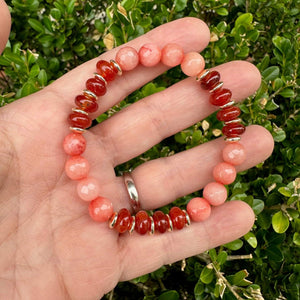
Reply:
x=49, y=246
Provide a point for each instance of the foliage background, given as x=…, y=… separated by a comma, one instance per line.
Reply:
x=49, y=38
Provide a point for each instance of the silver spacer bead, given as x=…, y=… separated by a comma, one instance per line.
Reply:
x=77, y=130
x=98, y=76
x=187, y=217
x=202, y=75
x=170, y=223
x=117, y=66
x=80, y=111
x=132, y=225
x=152, y=228
x=233, y=121
x=233, y=139
x=113, y=221
x=90, y=94
x=228, y=104
x=218, y=86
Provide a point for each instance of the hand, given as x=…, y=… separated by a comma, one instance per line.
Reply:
x=50, y=248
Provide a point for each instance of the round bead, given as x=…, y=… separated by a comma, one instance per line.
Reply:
x=106, y=70
x=220, y=97
x=96, y=86
x=234, y=153
x=88, y=189
x=124, y=221
x=228, y=113
x=233, y=129
x=142, y=222
x=79, y=120
x=86, y=104
x=161, y=221
x=172, y=55
x=77, y=167
x=192, y=64
x=198, y=209
x=74, y=144
x=210, y=80
x=101, y=209
x=224, y=173
x=127, y=58
x=178, y=217
x=215, y=193
x=149, y=55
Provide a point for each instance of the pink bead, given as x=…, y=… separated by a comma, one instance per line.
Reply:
x=172, y=55
x=192, y=64
x=215, y=193
x=127, y=58
x=88, y=189
x=224, y=173
x=74, y=144
x=77, y=167
x=101, y=209
x=234, y=153
x=149, y=55
x=198, y=209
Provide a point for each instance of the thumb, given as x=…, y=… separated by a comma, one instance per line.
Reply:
x=5, y=22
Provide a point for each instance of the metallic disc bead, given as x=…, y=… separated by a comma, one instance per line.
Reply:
x=117, y=66
x=218, y=86
x=228, y=104
x=152, y=226
x=90, y=94
x=170, y=223
x=80, y=111
x=77, y=130
x=113, y=220
x=233, y=139
x=188, y=219
x=99, y=77
x=233, y=121
x=202, y=75
x=132, y=225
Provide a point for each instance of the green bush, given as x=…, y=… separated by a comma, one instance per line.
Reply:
x=49, y=38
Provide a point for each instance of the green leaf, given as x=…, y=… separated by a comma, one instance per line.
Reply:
x=213, y=254
x=42, y=78
x=15, y=58
x=199, y=289
x=271, y=105
x=270, y=73
x=207, y=274
x=244, y=19
x=222, y=257
x=222, y=11
x=55, y=13
x=296, y=238
x=128, y=4
x=251, y=239
x=141, y=279
x=234, y=245
x=70, y=6
x=28, y=89
x=285, y=191
x=279, y=135
x=239, y=278
x=34, y=71
x=169, y=295
x=258, y=206
x=287, y=93
x=180, y=5
x=274, y=254
x=280, y=222
x=36, y=25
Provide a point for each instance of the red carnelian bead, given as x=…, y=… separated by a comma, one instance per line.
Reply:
x=79, y=120
x=142, y=222
x=96, y=86
x=233, y=129
x=105, y=69
x=86, y=104
x=177, y=217
x=210, y=80
x=161, y=221
x=228, y=113
x=124, y=221
x=220, y=97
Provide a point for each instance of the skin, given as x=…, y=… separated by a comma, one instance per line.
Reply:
x=49, y=246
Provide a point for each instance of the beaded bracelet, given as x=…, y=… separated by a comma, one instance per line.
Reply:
x=77, y=167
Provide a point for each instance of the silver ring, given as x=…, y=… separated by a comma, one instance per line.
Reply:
x=132, y=191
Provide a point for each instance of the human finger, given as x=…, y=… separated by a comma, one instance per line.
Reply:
x=144, y=254
x=5, y=23
x=145, y=123
x=191, y=33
